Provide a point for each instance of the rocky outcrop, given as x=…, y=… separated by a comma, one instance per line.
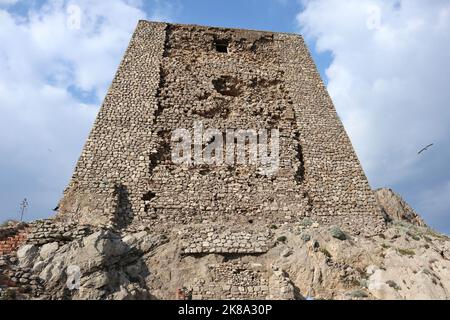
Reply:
x=103, y=265
x=305, y=259
x=395, y=208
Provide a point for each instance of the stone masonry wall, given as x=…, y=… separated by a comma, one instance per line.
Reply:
x=334, y=178
x=243, y=281
x=42, y=232
x=230, y=281
x=38, y=233
x=176, y=76
x=106, y=187
x=221, y=240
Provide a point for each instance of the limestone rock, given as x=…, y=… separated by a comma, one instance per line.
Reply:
x=395, y=208
x=38, y=266
x=337, y=233
x=48, y=250
x=286, y=252
x=26, y=255
x=305, y=237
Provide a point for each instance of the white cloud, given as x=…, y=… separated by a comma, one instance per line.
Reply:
x=389, y=82
x=44, y=59
x=8, y=2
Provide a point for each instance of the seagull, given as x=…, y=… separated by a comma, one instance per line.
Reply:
x=426, y=148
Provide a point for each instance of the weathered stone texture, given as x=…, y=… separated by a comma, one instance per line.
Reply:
x=215, y=240
x=243, y=281
x=173, y=76
x=42, y=232
x=395, y=208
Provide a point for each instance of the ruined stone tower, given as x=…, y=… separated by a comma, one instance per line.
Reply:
x=173, y=76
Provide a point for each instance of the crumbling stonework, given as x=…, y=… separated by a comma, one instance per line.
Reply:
x=173, y=76
x=230, y=281
x=215, y=240
x=42, y=232
x=11, y=237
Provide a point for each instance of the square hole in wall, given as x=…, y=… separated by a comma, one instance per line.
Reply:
x=221, y=46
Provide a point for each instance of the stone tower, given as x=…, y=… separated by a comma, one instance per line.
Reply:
x=176, y=76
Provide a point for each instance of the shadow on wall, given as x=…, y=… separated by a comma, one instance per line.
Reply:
x=120, y=273
x=123, y=214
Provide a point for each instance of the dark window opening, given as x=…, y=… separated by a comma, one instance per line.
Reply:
x=148, y=196
x=222, y=46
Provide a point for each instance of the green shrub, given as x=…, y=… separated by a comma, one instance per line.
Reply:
x=364, y=283
x=8, y=294
x=393, y=285
x=306, y=222
x=427, y=272
x=337, y=233
x=305, y=237
x=412, y=235
x=325, y=252
x=434, y=234
x=282, y=239
x=406, y=252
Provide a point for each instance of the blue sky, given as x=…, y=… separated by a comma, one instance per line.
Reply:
x=385, y=63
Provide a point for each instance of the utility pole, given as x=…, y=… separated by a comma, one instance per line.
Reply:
x=23, y=208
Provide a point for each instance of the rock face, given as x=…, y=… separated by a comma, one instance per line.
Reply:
x=302, y=260
x=395, y=208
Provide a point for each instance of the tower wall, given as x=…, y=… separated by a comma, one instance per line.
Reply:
x=178, y=76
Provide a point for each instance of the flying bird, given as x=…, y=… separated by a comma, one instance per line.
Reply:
x=426, y=148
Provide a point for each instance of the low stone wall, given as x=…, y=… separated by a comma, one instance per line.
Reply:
x=47, y=231
x=24, y=280
x=214, y=240
x=230, y=281
x=243, y=281
x=40, y=232
x=281, y=287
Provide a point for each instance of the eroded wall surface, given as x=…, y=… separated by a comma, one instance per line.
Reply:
x=177, y=76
